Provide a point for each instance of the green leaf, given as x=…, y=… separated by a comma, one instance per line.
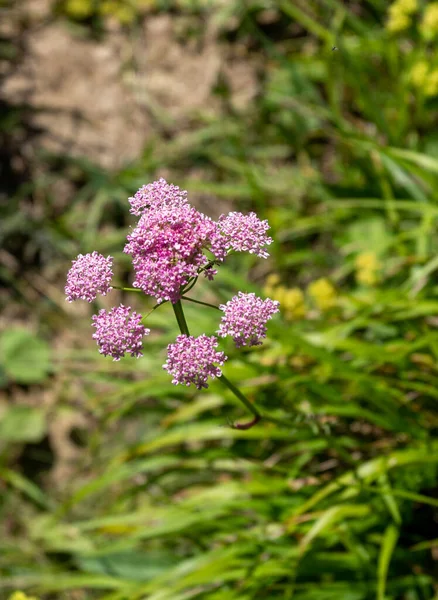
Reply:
x=388, y=544
x=22, y=424
x=25, y=486
x=330, y=517
x=24, y=357
x=138, y=566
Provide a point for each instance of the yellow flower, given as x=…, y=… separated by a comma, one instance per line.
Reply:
x=366, y=277
x=21, y=596
x=125, y=14
x=419, y=74
x=323, y=294
x=367, y=260
x=272, y=280
x=279, y=293
x=367, y=268
x=291, y=299
x=407, y=6
x=429, y=24
x=79, y=9
x=108, y=7
x=398, y=22
x=399, y=15
x=424, y=79
x=146, y=4
x=293, y=303
x=431, y=85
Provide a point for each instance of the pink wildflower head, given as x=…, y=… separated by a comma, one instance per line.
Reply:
x=118, y=332
x=167, y=248
x=156, y=194
x=245, y=233
x=90, y=275
x=245, y=318
x=190, y=360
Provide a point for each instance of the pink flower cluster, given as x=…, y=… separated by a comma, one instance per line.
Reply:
x=119, y=331
x=245, y=233
x=171, y=245
x=191, y=360
x=90, y=275
x=168, y=244
x=245, y=318
x=167, y=249
x=155, y=195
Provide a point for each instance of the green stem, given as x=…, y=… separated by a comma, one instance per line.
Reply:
x=126, y=289
x=241, y=397
x=152, y=310
x=190, y=285
x=183, y=327
x=199, y=302
x=179, y=314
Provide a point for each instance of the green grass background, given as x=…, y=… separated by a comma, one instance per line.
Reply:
x=164, y=501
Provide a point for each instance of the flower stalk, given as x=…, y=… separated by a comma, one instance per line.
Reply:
x=172, y=246
x=199, y=302
x=182, y=323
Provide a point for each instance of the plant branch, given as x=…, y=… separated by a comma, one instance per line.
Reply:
x=245, y=401
x=126, y=289
x=199, y=302
x=190, y=285
x=183, y=327
x=179, y=314
x=152, y=310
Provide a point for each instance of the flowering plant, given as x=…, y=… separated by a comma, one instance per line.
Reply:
x=171, y=246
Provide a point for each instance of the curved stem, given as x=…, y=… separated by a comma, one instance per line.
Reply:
x=247, y=425
x=199, y=302
x=152, y=310
x=241, y=397
x=190, y=285
x=126, y=289
x=245, y=401
x=183, y=327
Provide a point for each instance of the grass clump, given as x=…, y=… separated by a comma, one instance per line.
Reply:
x=337, y=499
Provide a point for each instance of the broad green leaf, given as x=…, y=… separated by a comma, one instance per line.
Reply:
x=24, y=356
x=22, y=424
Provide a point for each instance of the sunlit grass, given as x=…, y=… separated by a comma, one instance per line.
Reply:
x=164, y=500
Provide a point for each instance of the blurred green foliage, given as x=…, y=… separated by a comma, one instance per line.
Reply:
x=339, y=151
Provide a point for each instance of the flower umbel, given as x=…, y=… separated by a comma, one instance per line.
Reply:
x=245, y=318
x=90, y=275
x=155, y=195
x=191, y=360
x=171, y=246
x=119, y=332
x=245, y=233
x=167, y=248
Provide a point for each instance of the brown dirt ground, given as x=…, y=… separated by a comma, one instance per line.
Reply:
x=103, y=99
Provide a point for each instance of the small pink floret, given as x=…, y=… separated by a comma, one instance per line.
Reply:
x=90, y=275
x=245, y=233
x=156, y=194
x=245, y=318
x=191, y=360
x=119, y=331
